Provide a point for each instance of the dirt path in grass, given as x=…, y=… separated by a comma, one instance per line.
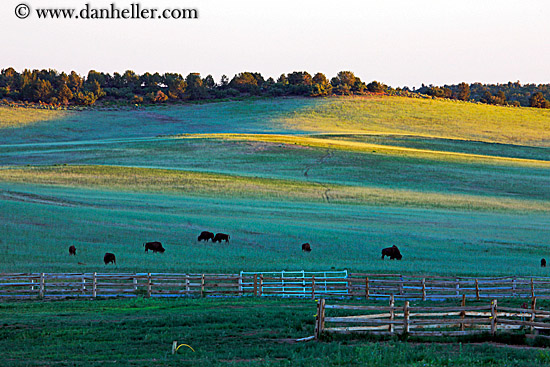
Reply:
x=317, y=163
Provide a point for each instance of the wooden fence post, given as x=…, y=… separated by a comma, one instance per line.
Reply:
x=313, y=287
x=533, y=310
x=392, y=314
x=320, y=321
x=94, y=285
x=367, y=290
x=532, y=289
x=322, y=317
x=261, y=286
x=187, y=287
x=493, y=317
x=477, y=291
x=255, y=285
x=462, y=313
x=240, y=280
x=83, y=284
x=149, y=285
x=317, y=319
x=135, y=281
x=401, y=285
x=42, y=286
x=406, y=318
x=423, y=289
x=202, y=286
x=457, y=286
x=513, y=286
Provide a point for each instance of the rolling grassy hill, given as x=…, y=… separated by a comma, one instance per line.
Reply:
x=427, y=118
x=442, y=180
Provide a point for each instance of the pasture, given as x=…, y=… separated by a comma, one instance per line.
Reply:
x=109, y=180
x=17, y=117
x=460, y=188
x=427, y=118
x=40, y=222
x=228, y=332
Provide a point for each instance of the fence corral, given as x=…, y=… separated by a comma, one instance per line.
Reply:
x=296, y=283
x=328, y=284
x=430, y=321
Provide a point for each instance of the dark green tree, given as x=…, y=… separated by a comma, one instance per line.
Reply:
x=75, y=82
x=209, y=82
x=321, y=85
x=537, y=100
x=224, y=81
x=195, y=89
x=463, y=92
x=43, y=91
x=299, y=78
x=377, y=87
x=244, y=82
x=130, y=79
x=64, y=94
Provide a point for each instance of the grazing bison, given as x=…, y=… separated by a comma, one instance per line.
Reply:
x=154, y=246
x=205, y=236
x=543, y=263
x=72, y=250
x=109, y=258
x=392, y=252
x=219, y=237
x=306, y=247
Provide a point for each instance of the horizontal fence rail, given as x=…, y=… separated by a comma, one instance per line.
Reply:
x=329, y=284
x=296, y=283
x=429, y=321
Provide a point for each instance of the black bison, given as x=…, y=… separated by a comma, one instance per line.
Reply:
x=154, y=246
x=542, y=263
x=219, y=237
x=306, y=247
x=72, y=250
x=109, y=258
x=205, y=236
x=392, y=253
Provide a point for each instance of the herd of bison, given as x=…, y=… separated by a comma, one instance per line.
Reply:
x=155, y=246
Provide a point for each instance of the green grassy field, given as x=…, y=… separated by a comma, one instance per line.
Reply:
x=228, y=332
x=111, y=180
x=462, y=189
x=426, y=117
x=39, y=222
x=15, y=117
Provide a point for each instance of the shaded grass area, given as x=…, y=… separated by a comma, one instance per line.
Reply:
x=236, y=332
x=224, y=185
x=359, y=146
x=426, y=117
x=14, y=117
x=238, y=116
x=39, y=223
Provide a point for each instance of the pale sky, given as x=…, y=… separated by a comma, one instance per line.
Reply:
x=398, y=42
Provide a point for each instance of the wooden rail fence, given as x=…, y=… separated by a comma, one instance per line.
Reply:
x=429, y=321
x=355, y=285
